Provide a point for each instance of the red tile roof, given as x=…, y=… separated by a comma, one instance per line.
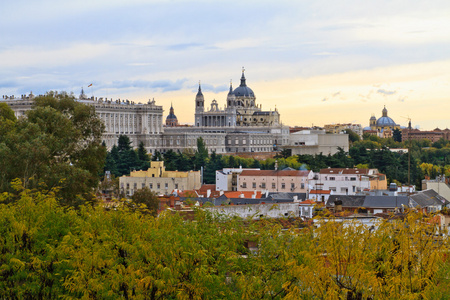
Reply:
x=206, y=187
x=320, y=192
x=308, y=202
x=275, y=173
x=188, y=193
x=238, y=194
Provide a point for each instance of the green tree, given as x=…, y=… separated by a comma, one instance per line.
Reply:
x=201, y=155
x=143, y=157
x=170, y=160
x=352, y=136
x=6, y=112
x=146, y=201
x=57, y=145
x=397, y=135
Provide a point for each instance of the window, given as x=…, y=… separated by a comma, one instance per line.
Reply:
x=273, y=185
x=302, y=186
x=352, y=178
x=292, y=186
x=332, y=178
x=176, y=185
x=333, y=189
x=166, y=185
x=263, y=185
x=143, y=185
x=135, y=185
x=283, y=186
x=158, y=186
x=150, y=185
x=244, y=184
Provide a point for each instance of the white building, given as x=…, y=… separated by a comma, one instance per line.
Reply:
x=316, y=142
x=227, y=179
x=258, y=211
x=348, y=181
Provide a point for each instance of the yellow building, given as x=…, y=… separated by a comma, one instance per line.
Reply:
x=157, y=179
x=384, y=126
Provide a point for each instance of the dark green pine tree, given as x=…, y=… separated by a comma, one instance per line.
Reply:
x=143, y=158
x=201, y=155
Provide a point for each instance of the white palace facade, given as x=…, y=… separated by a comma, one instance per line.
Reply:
x=242, y=126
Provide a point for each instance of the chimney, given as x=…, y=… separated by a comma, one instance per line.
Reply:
x=338, y=206
x=208, y=193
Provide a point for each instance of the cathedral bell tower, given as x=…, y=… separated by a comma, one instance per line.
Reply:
x=231, y=98
x=199, y=100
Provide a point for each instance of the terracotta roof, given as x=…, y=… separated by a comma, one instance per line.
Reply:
x=206, y=187
x=249, y=194
x=188, y=193
x=320, y=192
x=275, y=173
x=308, y=202
x=344, y=171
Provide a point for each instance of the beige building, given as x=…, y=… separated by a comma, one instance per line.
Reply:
x=340, y=128
x=289, y=181
x=157, y=179
x=316, y=142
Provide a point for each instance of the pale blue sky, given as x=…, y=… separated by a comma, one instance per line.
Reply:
x=317, y=61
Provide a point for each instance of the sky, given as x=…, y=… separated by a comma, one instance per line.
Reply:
x=317, y=62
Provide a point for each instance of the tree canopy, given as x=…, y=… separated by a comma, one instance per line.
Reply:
x=58, y=144
x=49, y=252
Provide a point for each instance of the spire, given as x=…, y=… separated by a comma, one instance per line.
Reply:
x=199, y=89
x=231, y=88
x=243, y=78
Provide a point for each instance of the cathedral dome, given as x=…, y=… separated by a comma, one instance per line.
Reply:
x=171, y=119
x=386, y=121
x=243, y=90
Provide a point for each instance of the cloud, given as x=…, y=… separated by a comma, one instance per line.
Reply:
x=325, y=53
x=336, y=94
x=401, y=99
x=212, y=88
x=184, y=46
x=386, y=92
x=140, y=64
x=163, y=85
x=324, y=99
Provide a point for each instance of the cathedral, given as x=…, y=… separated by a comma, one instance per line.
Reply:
x=240, y=110
x=241, y=126
x=384, y=126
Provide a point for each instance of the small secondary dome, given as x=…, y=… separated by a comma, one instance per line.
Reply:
x=171, y=119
